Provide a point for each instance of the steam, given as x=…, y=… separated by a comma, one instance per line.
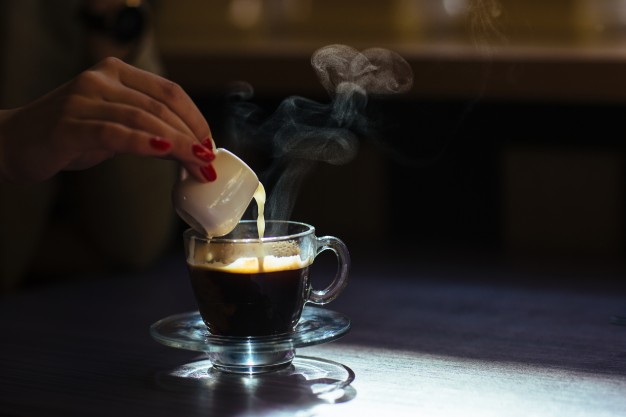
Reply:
x=302, y=132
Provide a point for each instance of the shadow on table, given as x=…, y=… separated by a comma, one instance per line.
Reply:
x=284, y=391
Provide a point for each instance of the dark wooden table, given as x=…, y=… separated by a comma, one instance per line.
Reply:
x=425, y=341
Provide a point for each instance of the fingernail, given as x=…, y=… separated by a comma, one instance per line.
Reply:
x=209, y=172
x=160, y=144
x=207, y=142
x=203, y=153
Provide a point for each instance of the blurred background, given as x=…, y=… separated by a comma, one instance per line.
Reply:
x=509, y=147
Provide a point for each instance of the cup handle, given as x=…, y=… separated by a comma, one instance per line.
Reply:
x=341, y=276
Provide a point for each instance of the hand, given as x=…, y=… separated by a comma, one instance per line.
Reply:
x=111, y=108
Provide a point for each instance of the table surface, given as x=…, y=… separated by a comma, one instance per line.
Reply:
x=423, y=342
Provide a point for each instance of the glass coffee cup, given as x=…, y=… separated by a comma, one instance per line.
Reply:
x=251, y=286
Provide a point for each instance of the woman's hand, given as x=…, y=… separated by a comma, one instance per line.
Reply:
x=111, y=108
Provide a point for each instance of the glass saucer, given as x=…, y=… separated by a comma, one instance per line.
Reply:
x=250, y=355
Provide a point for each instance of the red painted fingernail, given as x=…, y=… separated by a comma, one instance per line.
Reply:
x=209, y=173
x=207, y=142
x=160, y=144
x=202, y=152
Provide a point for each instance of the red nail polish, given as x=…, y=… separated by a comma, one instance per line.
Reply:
x=209, y=173
x=207, y=143
x=202, y=152
x=160, y=144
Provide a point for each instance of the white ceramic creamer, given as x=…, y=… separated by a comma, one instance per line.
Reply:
x=214, y=208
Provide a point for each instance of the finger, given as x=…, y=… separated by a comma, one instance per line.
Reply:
x=181, y=146
x=140, y=100
x=105, y=136
x=204, y=173
x=197, y=172
x=90, y=135
x=164, y=91
x=127, y=115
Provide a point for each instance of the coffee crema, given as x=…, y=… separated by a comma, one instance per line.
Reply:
x=268, y=263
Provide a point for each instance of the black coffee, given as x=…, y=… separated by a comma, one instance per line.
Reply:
x=249, y=304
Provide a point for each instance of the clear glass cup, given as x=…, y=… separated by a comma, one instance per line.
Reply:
x=251, y=286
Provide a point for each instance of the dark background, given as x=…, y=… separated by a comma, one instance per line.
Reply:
x=523, y=184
